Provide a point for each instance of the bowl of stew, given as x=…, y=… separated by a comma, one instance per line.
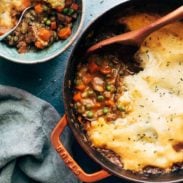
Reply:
x=47, y=29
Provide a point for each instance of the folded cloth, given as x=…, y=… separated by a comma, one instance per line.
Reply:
x=26, y=154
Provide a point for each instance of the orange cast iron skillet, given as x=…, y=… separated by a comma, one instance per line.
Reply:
x=71, y=118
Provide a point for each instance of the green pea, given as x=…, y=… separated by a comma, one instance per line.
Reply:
x=55, y=36
x=88, y=107
x=32, y=17
x=48, y=22
x=9, y=37
x=108, y=88
x=53, y=13
x=28, y=15
x=89, y=114
x=120, y=108
x=45, y=19
x=75, y=106
x=105, y=110
x=45, y=8
x=70, y=11
x=90, y=92
x=65, y=11
x=33, y=12
x=15, y=38
x=100, y=98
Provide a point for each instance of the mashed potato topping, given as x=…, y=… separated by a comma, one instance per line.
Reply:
x=147, y=136
x=56, y=3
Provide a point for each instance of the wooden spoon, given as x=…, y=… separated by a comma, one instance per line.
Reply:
x=136, y=37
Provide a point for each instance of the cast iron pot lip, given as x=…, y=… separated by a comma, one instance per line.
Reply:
x=87, y=147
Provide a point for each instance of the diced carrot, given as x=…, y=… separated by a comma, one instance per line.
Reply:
x=87, y=78
x=77, y=97
x=53, y=25
x=97, y=105
x=93, y=67
x=44, y=34
x=23, y=47
x=109, y=103
x=64, y=33
x=39, y=45
x=105, y=70
x=38, y=8
x=81, y=87
x=59, y=8
x=26, y=3
x=75, y=6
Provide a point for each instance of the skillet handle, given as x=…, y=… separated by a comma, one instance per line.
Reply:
x=69, y=161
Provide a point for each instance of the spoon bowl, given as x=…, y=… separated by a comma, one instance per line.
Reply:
x=136, y=37
x=18, y=23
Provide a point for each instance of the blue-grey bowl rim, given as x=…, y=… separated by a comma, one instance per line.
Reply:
x=56, y=53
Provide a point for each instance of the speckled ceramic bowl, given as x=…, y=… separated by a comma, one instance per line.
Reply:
x=48, y=53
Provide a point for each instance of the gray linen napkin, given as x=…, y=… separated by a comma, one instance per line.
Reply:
x=26, y=154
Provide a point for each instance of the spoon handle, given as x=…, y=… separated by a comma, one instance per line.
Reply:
x=169, y=18
x=136, y=37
